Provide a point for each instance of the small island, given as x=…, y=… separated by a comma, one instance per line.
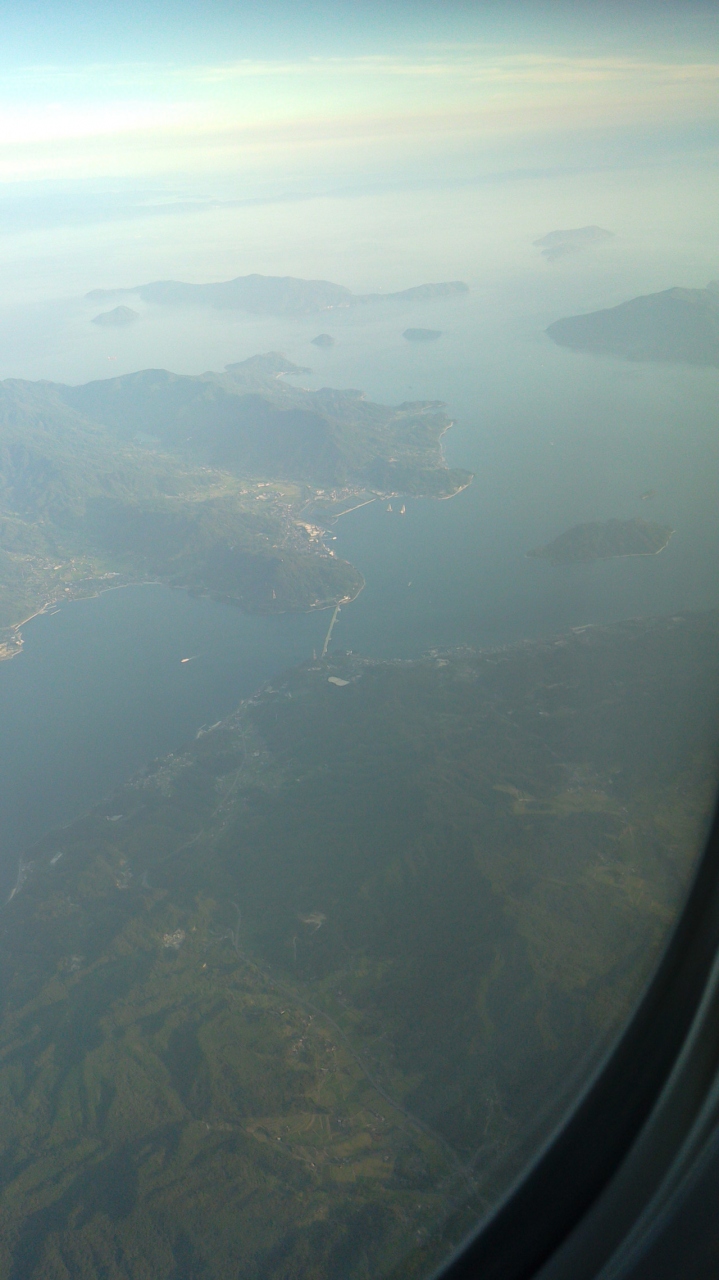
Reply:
x=560, y=244
x=422, y=335
x=604, y=541
x=323, y=340
x=117, y=318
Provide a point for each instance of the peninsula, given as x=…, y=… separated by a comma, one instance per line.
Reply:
x=679, y=325
x=605, y=540
x=201, y=482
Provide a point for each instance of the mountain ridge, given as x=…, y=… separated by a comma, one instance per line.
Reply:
x=271, y=295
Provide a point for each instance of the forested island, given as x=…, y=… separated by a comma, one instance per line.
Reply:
x=603, y=540
x=248, y=1016
x=119, y=317
x=676, y=325
x=201, y=482
x=272, y=295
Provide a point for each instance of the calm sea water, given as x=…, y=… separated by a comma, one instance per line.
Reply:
x=554, y=438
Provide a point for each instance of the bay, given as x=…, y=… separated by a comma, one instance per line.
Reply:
x=100, y=689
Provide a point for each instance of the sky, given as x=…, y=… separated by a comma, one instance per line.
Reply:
x=182, y=31
x=245, y=99
x=120, y=118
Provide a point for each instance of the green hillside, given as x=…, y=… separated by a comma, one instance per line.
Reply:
x=196, y=481
x=251, y=1020
x=676, y=325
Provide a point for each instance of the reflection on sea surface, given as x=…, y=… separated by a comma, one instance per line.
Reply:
x=324, y=979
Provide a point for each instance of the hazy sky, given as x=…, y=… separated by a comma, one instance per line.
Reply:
x=52, y=31
x=129, y=118
x=246, y=98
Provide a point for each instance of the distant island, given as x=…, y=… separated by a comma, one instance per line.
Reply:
x=272, y=295
x=118, y=316
x=323, y=340
x=207, y=482
x=560, y=244
x=676, y=325
x=605, y=540
x=302, y=984
x=422, y=335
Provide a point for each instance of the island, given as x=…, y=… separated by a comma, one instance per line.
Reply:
x=272, y=295
x=422, y=335
x=322, y=982
x=213, y=483
x=561, y=244
x=605, y=540
x=680, y=325
x=323, y=340
x=118, y=317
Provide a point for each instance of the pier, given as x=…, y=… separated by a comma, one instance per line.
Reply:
x=329, y=632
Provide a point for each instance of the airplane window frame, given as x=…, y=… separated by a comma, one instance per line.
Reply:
x=608, y=1178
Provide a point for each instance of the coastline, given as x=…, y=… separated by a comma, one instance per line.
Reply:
x=621, y=555
x=11, y=639
x=14, y=644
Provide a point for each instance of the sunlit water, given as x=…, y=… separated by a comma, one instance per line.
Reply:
x=554, y=438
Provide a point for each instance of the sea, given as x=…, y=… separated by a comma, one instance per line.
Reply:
x=553, y=437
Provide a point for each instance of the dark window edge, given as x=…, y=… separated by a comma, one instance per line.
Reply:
x=640, y=1125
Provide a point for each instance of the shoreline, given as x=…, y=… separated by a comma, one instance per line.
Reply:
x=15, y=632
x=450, y=653
x=621, y=555
x=9, y=651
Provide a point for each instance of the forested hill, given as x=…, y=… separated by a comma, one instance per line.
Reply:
x=251, y=421
x=679, y=325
